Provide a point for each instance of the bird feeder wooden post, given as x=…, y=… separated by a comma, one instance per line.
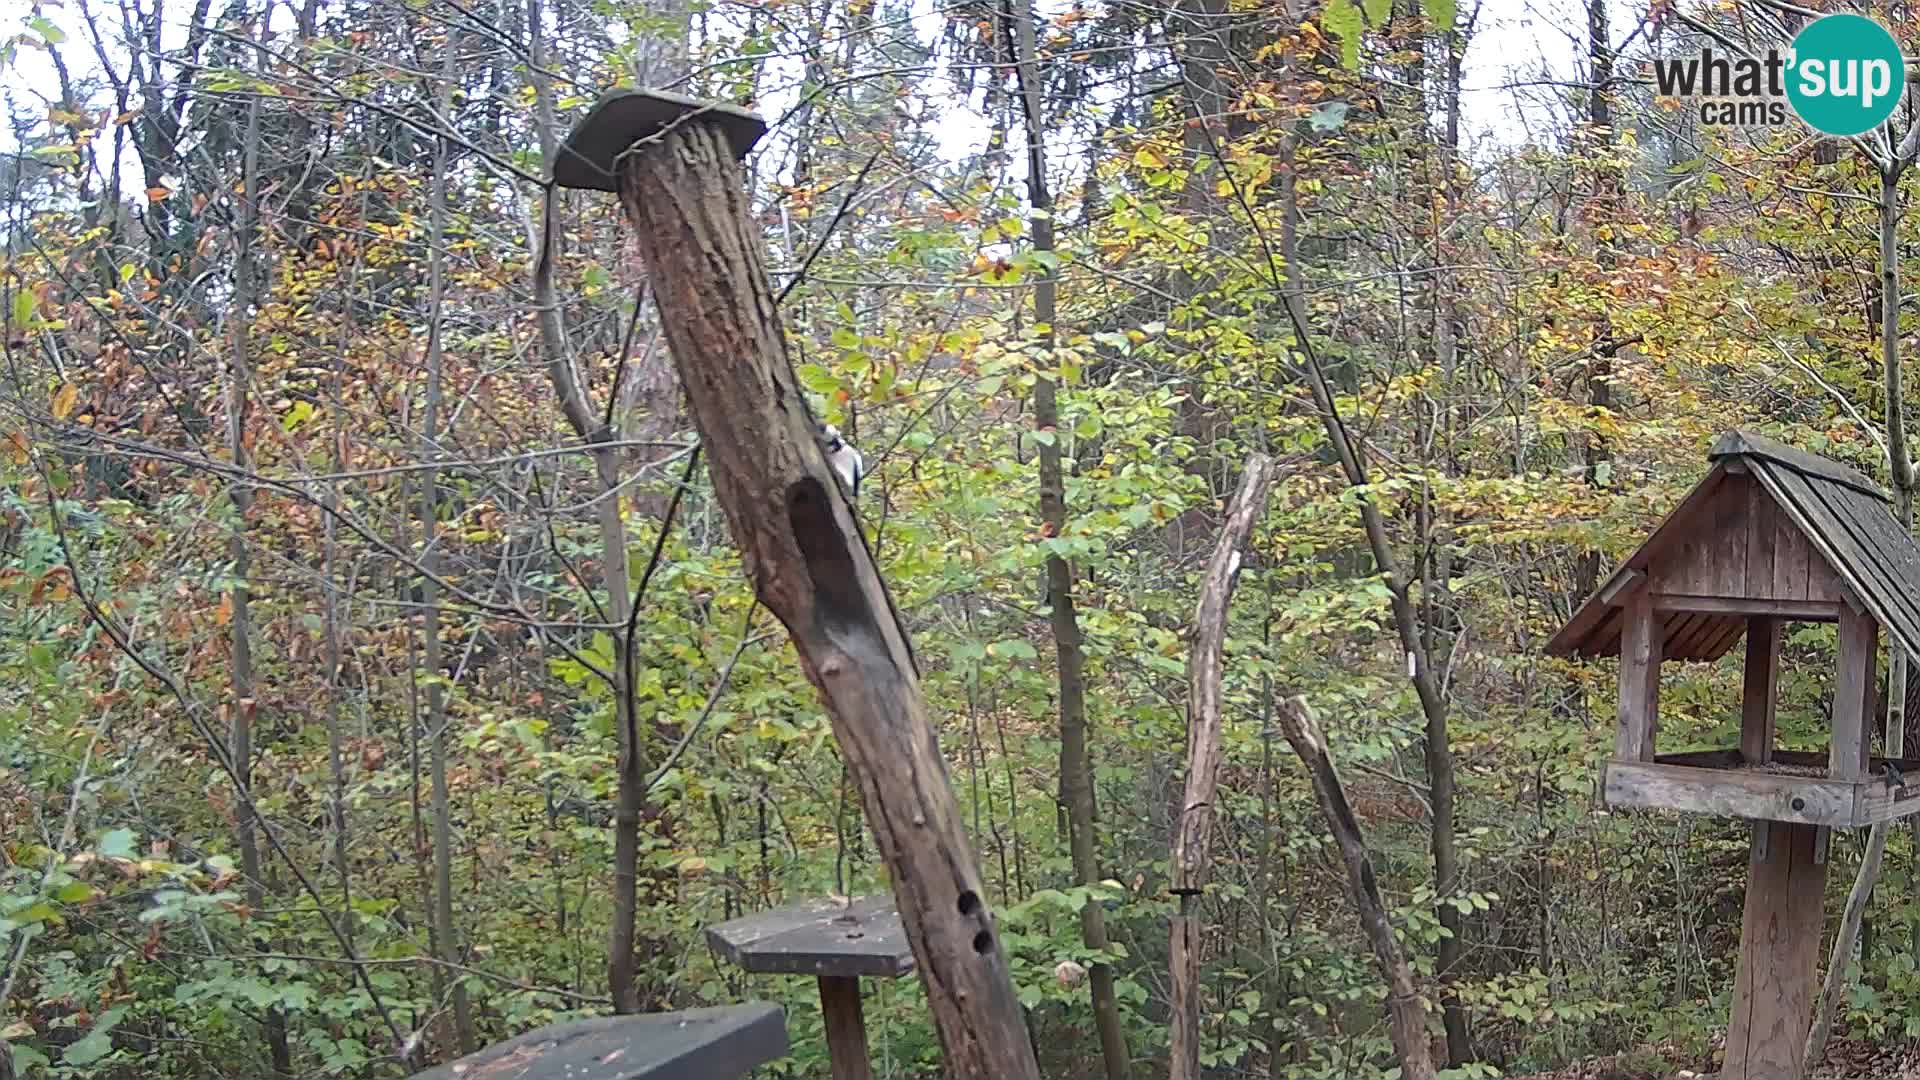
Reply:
x=1772, y=535
x=838, y=944
x=674, y=161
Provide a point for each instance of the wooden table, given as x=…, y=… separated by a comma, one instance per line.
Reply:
x=696, y=1044
x=836, y=943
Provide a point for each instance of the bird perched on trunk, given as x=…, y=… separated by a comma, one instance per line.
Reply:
x=847, y=463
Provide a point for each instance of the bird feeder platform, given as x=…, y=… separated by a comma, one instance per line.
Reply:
x=1787, y=786
x=1772, y=535
x=838, y=943
x=725, y=1043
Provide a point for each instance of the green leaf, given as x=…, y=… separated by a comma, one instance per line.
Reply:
x=97, y=1044
x=301, y=412
x=26, y=1060
x=817, y=378
x=1013, y=649
x=38, y=913
x=22, y=309
x=48, y=32
x=1328, y=116
x=73, y=892
x=1342, y=20
x=1377, y=11
x=117, y=844
x=1440, y=13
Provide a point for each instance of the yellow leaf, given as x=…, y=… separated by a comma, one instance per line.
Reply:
x=64, y=401
x=1147, y=158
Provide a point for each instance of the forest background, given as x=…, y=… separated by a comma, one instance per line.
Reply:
x=378, y=680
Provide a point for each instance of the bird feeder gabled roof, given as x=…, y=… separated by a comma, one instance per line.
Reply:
x=1768, y=525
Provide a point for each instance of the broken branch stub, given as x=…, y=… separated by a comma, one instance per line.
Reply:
x=810, y=566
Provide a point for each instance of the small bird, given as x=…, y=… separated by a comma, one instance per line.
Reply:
x=846, y=461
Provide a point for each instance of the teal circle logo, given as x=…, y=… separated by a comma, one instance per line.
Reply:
x=1845, y=74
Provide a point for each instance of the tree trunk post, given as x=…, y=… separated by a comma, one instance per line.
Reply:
x=1193, y=838
x=1406, y=1009
x=676, y=163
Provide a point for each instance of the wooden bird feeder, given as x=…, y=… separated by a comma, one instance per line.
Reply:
x=1772, y=535
x=837, y=943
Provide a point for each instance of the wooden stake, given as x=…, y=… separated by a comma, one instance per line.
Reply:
x=810, y=566
x=1193, y=842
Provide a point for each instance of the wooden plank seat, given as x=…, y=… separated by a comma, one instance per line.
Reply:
x=722, y=1043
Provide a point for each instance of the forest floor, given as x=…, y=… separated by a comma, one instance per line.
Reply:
x=1847, y=1059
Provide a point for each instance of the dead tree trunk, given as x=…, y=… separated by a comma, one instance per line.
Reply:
x=1406, y=1012
x=1193, y=843
x=810, y=567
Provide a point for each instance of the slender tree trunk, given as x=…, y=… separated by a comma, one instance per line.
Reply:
x=1076, y=767
x=1437, y=751
x=1900, y=465
x=1406, y=1012
x=1193, y=838
x=1598, y=452
x=242, y=708
x=1900, y=460
x=335, y=652
x=437, y=720
x=622, y=935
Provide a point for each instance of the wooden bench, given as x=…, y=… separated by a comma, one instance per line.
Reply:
x=722, y=1043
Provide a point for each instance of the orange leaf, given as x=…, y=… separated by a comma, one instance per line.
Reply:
x=223, y=614
x=155, y=194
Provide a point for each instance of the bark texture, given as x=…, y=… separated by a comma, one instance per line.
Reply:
x=1406, y=1010
x=685, y=195
x=1193, y=842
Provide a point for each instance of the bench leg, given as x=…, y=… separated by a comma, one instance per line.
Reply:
x=846, y=1027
